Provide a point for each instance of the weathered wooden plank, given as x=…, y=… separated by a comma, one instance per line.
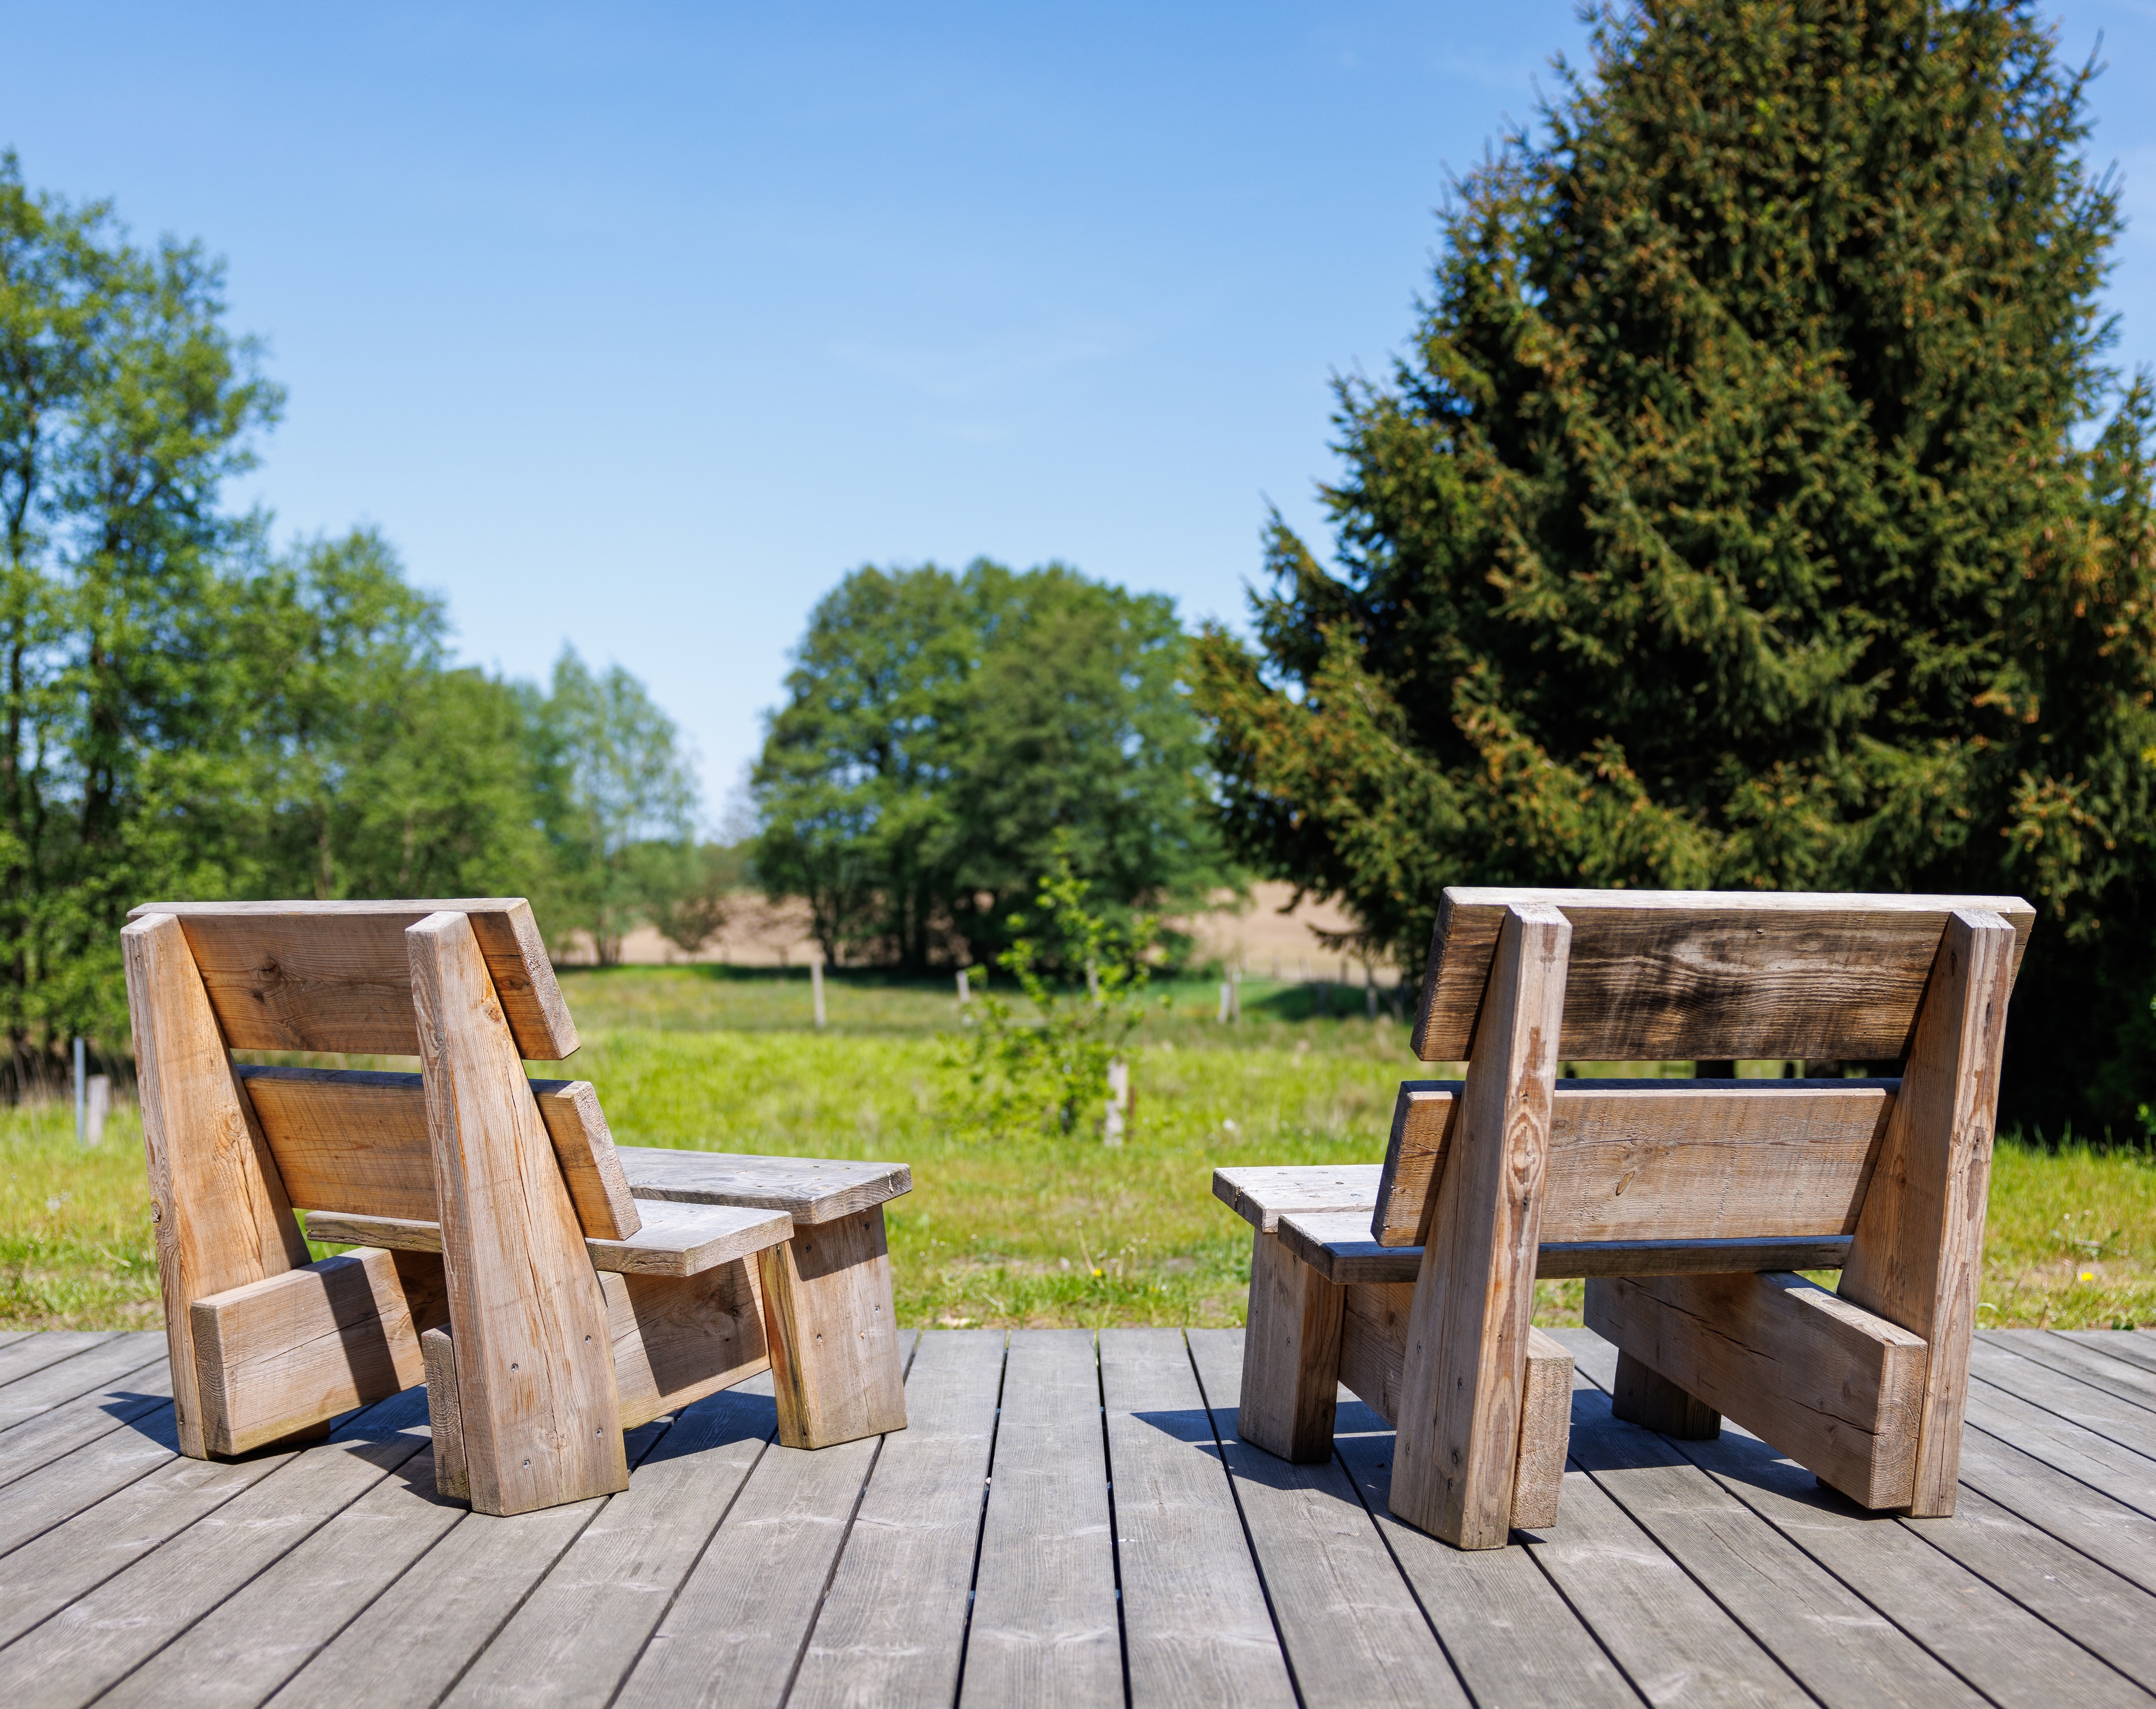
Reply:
x=54, y=1345
x=581, y=1630
x=221, y=1214
x=2112, y=1416
x=1826, y=1381
x=1290, y=1360
x=1674, y=1642
x=1261, y=1196
x=1977, y=1628
x=1336, y=1244
x=837, y=1365
x=2079, y=1515
x=92, y=1369
x=295, y=1350
x=1509, y=1634
x=535, y=1371
x=439, y=1614
x=1667, y=1160
x=2124, y=1474
x=2103, y=1611
x=446, y=1418
x=1918, y=1258
x=1043, y=1627
x=1347, y=1619
x=807, y=1189
x=46, y=1436
x=75, y=1480
x=356, y=1140
x=1680, y=974
x=333, y=977
x=1192, y=1634
x=1459, y=1419
x=1545, y=1432
x=1812, y=1607
x=893, y=1624
x=2135, y=1346
x=673, y=1239
x=734, y=1634
x=1374, y=1333
x=2087, y=1361
x=678, y=1338
x=1641, y=1395
x=96, y=1639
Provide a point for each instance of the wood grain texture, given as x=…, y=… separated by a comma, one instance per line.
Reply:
x=50, y=1348
x=580, y=1631
x=49, y=1433
x=1191, y=1635
x=1319, y=1554
x=2079, y=1515
x=1545, y=1432
x=676, y=1340
x=1459, y=1420
x=1681, y=974
x=331, y=975
x=445, y=1421
x=1415, y=1153
x=1290, y=1358
x=349, y=1139
x=1373, y=1339
x=2078, y=1355
x=893, y=1625
x=1828, y=1383
x=807, y=1189
x=535, y=1374
x=1674, y=1160
x=675, y=1240
x=1044, y=1625
x=299, y=1348
x=1261, y=1196
x=836, y=1361
x=2117, y=1417
x=1337, y=1245
x=102, y=1362
x=1641, y=1395
x=1918, y=1256
x=221, y=1214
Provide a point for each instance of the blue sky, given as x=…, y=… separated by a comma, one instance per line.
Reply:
x=637, y=327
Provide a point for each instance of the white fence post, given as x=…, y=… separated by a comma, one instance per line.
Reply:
x=965, y=989
x=1227, y=1002
x=1119, y=1103
x=81, y=1108
x=816, y=985
x=100, y=1106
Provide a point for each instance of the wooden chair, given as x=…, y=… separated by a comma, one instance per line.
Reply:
x=1688, y=1205
x=552, y=1290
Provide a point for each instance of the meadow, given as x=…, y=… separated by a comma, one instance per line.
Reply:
x=1021, y=1230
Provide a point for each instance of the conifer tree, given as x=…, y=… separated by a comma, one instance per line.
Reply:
x=1755, y=507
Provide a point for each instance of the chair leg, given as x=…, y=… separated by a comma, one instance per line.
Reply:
x=1290, y=1355
x=444, y=1419
x=836, y=1368
x=1644, y=1396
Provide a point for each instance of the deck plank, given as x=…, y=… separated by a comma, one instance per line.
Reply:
x=1196, y=1628
x=581, y=1631
x=1841, y=1647
x=1508, y=1633
x=441, y=1611
x=2119, y=1377
x=81, y=1479
x=32, y=1353
x=2061, y=1505
x=2106, y=1613
x=2121, y=1473
x=893, y=1626
x=1352, y=1629
x=2096, y=1410
x=96, y=1640
x=735, y=1633
x=2135, y=1346
x=1044, y=1629
x=71, y=1379
x=40, y=1440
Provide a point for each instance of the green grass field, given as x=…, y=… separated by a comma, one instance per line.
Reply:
x=1027, y=1231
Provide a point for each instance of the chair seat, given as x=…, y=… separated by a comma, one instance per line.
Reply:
x=807, y=1189
x=675, y=1239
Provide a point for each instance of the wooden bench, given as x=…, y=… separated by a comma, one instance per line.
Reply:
x=550, y=1297
x=1688, y=1205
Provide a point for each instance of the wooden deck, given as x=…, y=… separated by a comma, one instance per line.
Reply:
x=1071, y=1522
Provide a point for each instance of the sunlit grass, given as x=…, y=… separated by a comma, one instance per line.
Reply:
x=1027, y=1230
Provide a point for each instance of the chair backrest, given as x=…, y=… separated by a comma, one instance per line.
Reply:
x=1689, y=974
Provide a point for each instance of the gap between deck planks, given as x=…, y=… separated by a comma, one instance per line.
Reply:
x=973, y=1557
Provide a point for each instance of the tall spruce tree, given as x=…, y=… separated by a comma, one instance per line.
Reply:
x=1755, y=508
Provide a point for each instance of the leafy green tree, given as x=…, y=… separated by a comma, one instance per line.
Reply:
x=944, y=734
x=1755, y=508
x=689, y=893
x=610, y=777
